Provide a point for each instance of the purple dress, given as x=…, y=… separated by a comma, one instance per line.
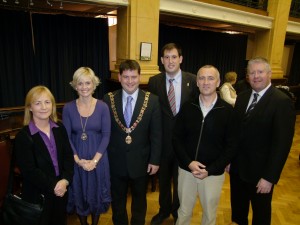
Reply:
x=89, y=191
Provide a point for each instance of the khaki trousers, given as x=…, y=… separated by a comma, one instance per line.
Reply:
x=209, y=192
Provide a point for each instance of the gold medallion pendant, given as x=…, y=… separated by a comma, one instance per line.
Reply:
x=128, y=139
x=128, y=130
x=84, y=136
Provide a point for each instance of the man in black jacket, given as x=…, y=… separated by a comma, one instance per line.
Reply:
x=204, y=143
x=266, y=133
x=135, y=143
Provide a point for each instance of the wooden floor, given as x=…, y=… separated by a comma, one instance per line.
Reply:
x=285, y=205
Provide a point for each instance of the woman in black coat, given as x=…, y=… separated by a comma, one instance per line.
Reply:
x=44, y=156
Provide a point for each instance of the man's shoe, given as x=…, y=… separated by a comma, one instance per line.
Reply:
x=158, y=219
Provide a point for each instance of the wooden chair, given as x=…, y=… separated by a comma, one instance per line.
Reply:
x=5, y=156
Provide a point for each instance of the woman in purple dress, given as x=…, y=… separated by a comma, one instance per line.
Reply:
x=87, y=121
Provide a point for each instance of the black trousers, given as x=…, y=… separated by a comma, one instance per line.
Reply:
x=54, y=212
x=168, y=175
x=119, y=191
x=242, y=194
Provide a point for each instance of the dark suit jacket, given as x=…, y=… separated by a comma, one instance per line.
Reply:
x=265, y=136
x=189, y=90
x=34, y=161
x=132, y=159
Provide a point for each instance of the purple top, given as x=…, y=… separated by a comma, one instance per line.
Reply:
x=49, y=142
x=89, y=193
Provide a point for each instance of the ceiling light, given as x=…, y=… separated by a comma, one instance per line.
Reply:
x=100, y=16
x=231, y=32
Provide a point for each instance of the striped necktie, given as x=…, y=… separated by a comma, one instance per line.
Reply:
x=171, y=97
x=252, y=105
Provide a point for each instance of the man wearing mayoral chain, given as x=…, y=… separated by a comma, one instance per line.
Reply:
x=135, y=144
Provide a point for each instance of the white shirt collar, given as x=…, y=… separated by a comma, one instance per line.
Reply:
x=134, y=95
x=262, y=92
x=176, y=78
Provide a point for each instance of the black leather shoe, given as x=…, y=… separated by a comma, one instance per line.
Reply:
x=158, y=219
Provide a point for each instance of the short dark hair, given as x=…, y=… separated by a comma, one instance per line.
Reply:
x=129, y=64
x=171, y=46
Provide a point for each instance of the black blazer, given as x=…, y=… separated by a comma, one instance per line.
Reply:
x=189, y=90
x=265, y=136
x=34, y=161
x=132, y=159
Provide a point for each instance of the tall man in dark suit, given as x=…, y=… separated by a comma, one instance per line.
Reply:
x=267, y=119
x=135, y=144
x=183, y=86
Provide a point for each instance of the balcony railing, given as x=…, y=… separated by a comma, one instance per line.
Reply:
x=256, y=4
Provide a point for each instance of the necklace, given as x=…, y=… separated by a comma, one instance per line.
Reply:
x=84, y=135
x=128, y=139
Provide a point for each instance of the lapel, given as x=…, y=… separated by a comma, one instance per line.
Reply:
x=119, y=106
x=245, y=101
x=138, y=106
x=163, y=88
x=261, y=103
x=185, y=85
x=41, y=148
x=56, y=134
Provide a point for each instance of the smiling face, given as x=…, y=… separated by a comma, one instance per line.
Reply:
x=171, y=61
x=259, y=76
x=130, y=81
x=208, y=81
x=85, y=86
x=41, y=108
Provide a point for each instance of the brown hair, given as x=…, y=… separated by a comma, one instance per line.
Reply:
x=230, y=76
x=129, y=64
x=169, y=47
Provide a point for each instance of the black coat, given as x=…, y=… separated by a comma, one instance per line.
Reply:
x=157, y=86
x=35, y=163
x=132, y=159
x=265, y=138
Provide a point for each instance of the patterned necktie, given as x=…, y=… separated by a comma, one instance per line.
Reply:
x=252, y=105
x=171, y=97
x=128, y=111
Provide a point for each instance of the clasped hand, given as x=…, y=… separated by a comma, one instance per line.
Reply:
x=198, y=170
x=60, y=188
x=87, y=165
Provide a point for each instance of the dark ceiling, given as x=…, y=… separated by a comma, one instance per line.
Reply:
x=92, y=9
x=72, y=7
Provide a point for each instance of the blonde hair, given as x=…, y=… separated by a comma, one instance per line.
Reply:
x=230, y=76
x=84, y=71
x=33, y=94
x=259, y=60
